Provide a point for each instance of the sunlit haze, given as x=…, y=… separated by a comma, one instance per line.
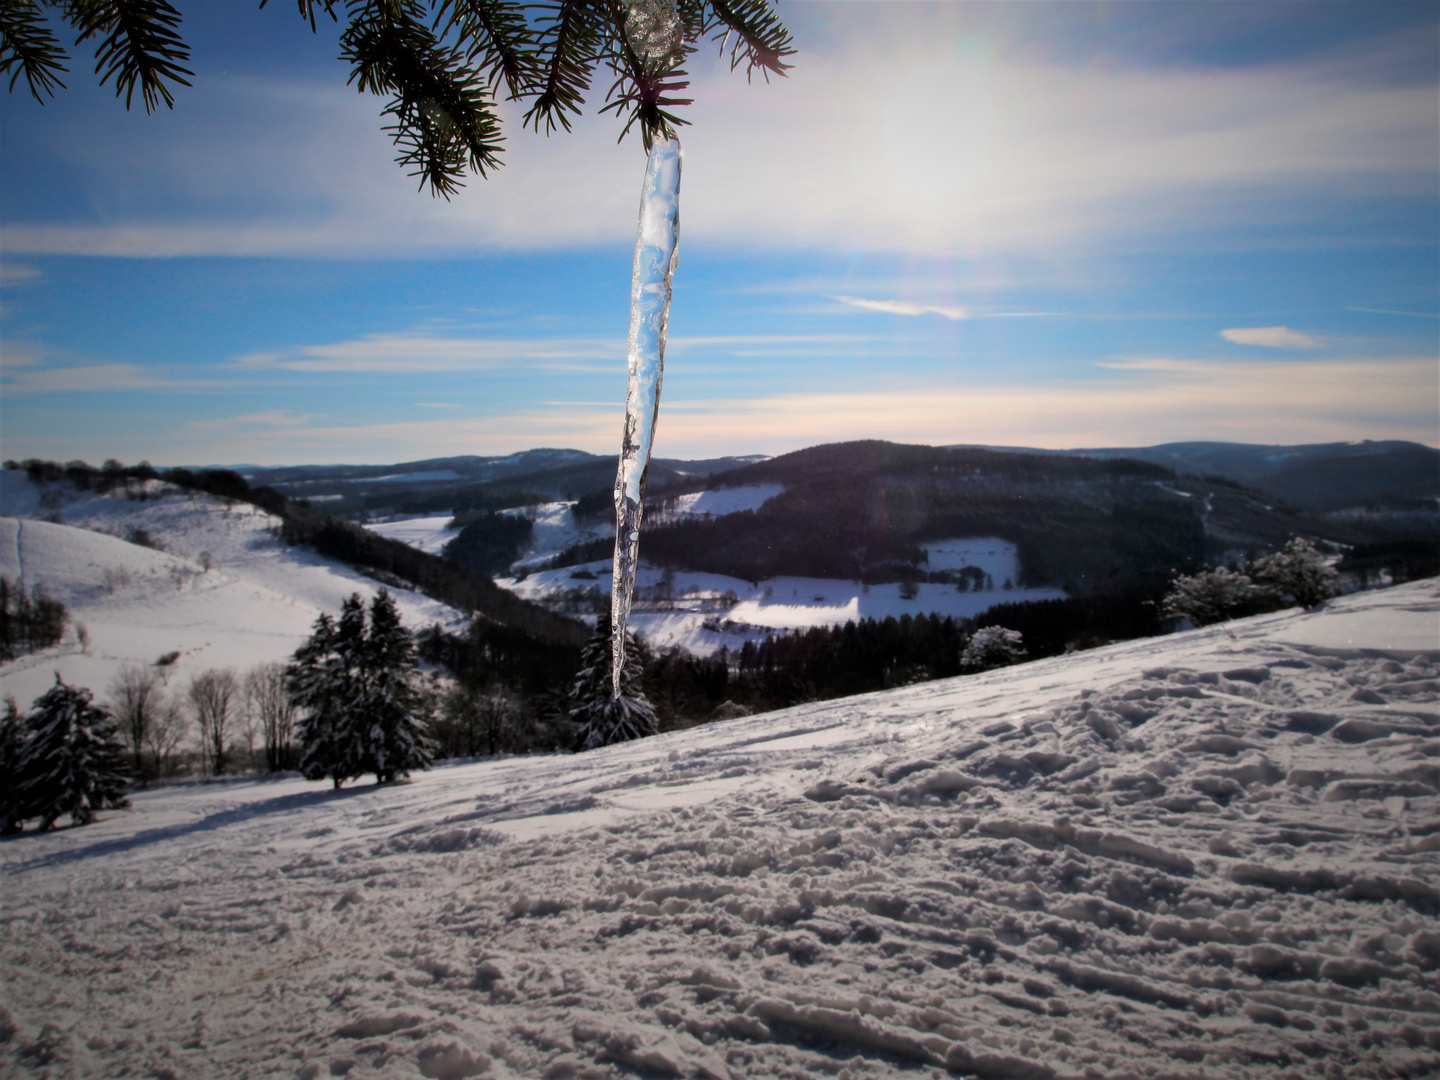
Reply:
x=1052, y=225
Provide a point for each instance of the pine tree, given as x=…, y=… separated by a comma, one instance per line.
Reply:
x=354, y=682
x=319, y=683
x=394, y=739
x=443, y=64
x=13, y=733
x=601, y=717
x=73, y=762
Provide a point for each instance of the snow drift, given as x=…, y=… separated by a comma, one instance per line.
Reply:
x=1210, y=855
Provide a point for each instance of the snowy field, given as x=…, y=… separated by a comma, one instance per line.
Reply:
x=256, y=602
x=1215, y=854
x=704, y=613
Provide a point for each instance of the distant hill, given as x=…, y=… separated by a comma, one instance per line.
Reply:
x=468, y=483
x=864, y=510
x=1320, y=478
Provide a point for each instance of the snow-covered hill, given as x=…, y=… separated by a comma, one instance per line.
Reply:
x=1215, y=854
x=224, y=592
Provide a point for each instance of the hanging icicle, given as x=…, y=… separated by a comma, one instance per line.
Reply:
x=656, y=252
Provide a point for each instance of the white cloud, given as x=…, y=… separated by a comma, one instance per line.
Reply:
x=97, y=378
x=1271, y=337
x=414, y=353
x=961, y=148
x=900, y=307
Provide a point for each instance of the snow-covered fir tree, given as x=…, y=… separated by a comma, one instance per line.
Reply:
x=992, y=647
x=353, y=683
x=394, y=739
x=72, y=761
x=600, y=717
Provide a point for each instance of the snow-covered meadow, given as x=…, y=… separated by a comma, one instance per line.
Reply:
x=702, y=612
x=1215, y=854
x=225, y=592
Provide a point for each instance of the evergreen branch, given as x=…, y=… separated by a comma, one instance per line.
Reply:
x=496, y=30
x=140, y=45
x=647, y=100
x=645, y=82
x=307, y=10
x=760, y=39
x=443, y=119
x=568, y=51
x=28, y=48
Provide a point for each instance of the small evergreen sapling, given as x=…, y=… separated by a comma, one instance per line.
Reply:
x=601, y=717
x=1211, y=596
x=1297, y=572
x=992, y=647
x=72, y=762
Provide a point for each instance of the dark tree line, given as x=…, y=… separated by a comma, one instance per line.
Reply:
x=29, y=621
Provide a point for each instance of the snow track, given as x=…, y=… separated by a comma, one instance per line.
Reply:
x=1210, y=855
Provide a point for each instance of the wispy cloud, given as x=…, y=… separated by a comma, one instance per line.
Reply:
x=14, y=354
x=1271, y=337
x=273, y=418
x=1010, y=146
x=1138, y=401
x=901, y=307
x=1388, y=311
x=15, y=273
x=416, y=353
x=97, y=378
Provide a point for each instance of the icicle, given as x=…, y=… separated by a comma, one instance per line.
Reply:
x=656, y=252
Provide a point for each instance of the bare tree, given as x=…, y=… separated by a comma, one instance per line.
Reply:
x=168, y=728
x=213, y=697
x=267, y=698
x=137, y=695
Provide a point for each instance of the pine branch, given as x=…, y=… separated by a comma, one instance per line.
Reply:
x=497, y=32
x=443, y=119
x=760, y=39
x=568, y=50
x=27, y=47
x=307, y=10
x=140, y=45
x=645, y=84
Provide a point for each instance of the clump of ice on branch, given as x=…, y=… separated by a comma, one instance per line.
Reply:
x=656, y=252
x=652, y=29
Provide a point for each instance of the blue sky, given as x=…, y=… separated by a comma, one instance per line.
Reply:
x=1055, y=225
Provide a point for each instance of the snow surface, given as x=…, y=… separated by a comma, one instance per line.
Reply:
x=426, y=533
x=722, y=501
x=1215, y=854
x=256, y=604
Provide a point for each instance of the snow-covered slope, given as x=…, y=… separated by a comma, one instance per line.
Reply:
x=256, y=602
x=1215, y=854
